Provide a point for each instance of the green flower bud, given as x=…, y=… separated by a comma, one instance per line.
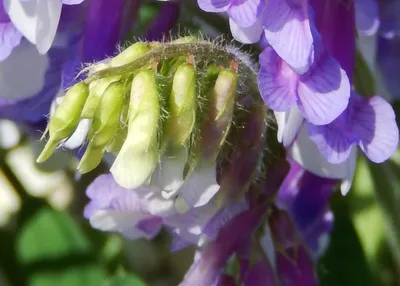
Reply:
x=96, y=90
x=130, y=54
x=139, y=154
x=215, y=126
x=120, y=136
x=65, y=119
x=106, y=120
x=182, y=108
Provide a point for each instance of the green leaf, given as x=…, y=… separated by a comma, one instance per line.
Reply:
x=53, y=251
x=344, y=262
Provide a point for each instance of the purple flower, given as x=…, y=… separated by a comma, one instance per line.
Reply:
x=370, y=124
x=321, y=94
x=10, y=37
x=306, y=197
x=36, y=20
x=389, y=18
x=293, y=262
x=243, y=12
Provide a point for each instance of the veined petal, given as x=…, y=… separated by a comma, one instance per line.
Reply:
x=334, y=141
x=277, y=81
x=374, y=121
x=287, y=28
x=214, y=5
x=246, y=35
x=246, y=12
x=324, y=91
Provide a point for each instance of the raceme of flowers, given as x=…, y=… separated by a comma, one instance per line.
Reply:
x=305, y=76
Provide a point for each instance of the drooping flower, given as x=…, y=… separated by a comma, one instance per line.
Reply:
x=321, y=94
x=368, y=123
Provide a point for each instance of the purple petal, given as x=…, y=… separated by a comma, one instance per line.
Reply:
x=296, y=268
x=9, y=38
x=334, y=140
x=72, y=2
x=336, y=25
x=367, y=17
x=306, y=197
x=214, y=5
x=260, y=273
x=277, y=81
x=246, y=35
x=374, y=121
x=388, y=59
x=389, y=18
x=246, y=12
x=225, y=280
x=165, y=20
x=324, y=91
x=150, y=225
x=288, y=30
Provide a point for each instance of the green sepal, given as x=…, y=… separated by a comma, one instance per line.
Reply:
x=65, y=119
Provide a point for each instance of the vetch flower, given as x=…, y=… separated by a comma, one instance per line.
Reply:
x=36, y=20
x=321, y=94
x=10, y=36
x=368, y=123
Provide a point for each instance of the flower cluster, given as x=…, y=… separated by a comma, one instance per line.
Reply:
x=305, y=77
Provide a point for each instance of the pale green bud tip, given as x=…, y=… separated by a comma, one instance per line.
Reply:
x=182, y=106
x=224, y=93
x=138, y=156
x=65, y=119
x=130, y=54
x=91, y=159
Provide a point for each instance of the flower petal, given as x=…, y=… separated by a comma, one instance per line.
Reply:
x=277, y=81
x=288, y=30
x=10, y=37
x=302, y=148
x=246, y=12
x=375, y=123
x=324, y=91
x=247, y=35
x=200, y=187
x=79, y=136
x=214, y=6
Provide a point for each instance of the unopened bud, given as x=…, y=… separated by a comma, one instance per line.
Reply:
x=96, y=90
x=181, y=107
x=65, y=119
x=215, y=126
x=130, y=54
x=106, y=121
x=139, y=154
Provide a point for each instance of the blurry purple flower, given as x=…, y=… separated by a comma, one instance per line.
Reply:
x=388, y=61
x=259, y=273
x=10, y=37
x=293, y=262
x=165, y=20
x=370, y=124
x=367, y=17
x=321, y=94
x=389, y=18
x=36, y=20
x=306, y=197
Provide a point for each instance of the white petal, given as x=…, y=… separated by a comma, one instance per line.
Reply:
x=281, y=121
x=23, y=15
x=248, y=35
x=157, y=205
x=36, y=20
x=78, y=137
x=306, y=153
x=350, y=168
x=200, y=187
x=114, y=221
x=168, y=176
